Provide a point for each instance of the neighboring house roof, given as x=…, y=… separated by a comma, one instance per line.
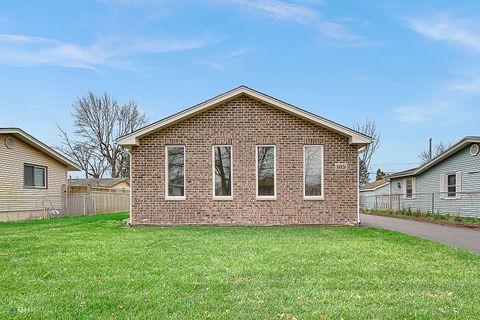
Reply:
x=97, y=183
x=403, y=173
x=355, y=137
x=374, y=185
x=449, y=152
x=30, y=140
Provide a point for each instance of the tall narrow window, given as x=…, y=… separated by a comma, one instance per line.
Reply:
x=266, y=167
x=451, y=185
x=313, y=172
x=409, y=187
x=222, y=172
x=175, y=172
x=34, y=176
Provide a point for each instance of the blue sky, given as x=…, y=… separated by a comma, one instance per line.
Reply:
x=412, y=66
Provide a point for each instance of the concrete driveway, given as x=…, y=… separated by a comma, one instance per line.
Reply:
x=452, y=236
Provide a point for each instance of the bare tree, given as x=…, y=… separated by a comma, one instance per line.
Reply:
x=223, y=159
x=98, y=122
x=368, y=128
x=438, y=149
x=86, y=156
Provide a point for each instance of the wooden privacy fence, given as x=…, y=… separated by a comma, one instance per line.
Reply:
x=96, y=202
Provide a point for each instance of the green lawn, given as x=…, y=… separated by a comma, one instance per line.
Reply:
x=94, y=267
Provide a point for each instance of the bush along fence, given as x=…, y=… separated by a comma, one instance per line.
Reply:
x=465, y=204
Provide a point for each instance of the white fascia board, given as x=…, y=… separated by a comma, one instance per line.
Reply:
x=32, y=141
x=457, y=147
x=354, y=137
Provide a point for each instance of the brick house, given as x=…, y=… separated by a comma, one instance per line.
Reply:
x=244, y=158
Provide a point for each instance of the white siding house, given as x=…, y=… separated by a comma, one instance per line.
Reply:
x=375, y=195
x=33, y=176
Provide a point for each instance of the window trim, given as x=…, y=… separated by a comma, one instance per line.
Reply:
x=322, y=197
x=45, y=186
x=214, y=196
x=447, y=196
x=184, y=197
x=406, y=188
x=274, y=197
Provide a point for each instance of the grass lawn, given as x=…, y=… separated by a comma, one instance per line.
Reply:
x=93, y=267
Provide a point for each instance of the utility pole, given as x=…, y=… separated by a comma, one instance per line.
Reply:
x=430, y=149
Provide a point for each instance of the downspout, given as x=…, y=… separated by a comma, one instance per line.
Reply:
x=65, y=198
x=358, y=189
x=362, y=149
x=131, y=186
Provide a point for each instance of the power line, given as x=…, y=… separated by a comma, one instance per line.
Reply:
x=395, y=164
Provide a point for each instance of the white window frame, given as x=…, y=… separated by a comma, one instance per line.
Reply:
x=167, y=197
x=447, y=196
x=45, y=176
x=404, y=188
x=215, y=197
x=274, y=197
x=322, y=197
x=413, y=195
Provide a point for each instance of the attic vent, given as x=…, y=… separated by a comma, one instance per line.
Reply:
x=9, y=142
x=474, y=149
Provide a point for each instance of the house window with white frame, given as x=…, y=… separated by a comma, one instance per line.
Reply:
x=409, y=188
x=266, y=171
x=451, y=185
x=34, y=176
x=313, y=171
x=175, y=172
x=222, y=172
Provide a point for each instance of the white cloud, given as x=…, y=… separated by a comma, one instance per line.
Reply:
x=304, y=14
x=221, y=63
x=440, y=113
x=128, y=3
x=460, y=32
x=111, y=52
x=444, y=28
x=279, y=9
x=343, y=34
x=363, y=78
x=472, y=87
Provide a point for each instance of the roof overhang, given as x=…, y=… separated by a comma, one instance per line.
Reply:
x=377, y=187
x=28, y=139
x=355, y=137
x=451, y=151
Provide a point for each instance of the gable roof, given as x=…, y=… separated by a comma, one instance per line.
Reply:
x=375, y=185
x=97, y=183
x=449, y=152
x=37, y=144
x=355, y=137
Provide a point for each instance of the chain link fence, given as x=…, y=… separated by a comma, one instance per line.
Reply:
x=465, y=204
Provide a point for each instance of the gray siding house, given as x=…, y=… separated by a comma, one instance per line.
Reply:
x=448, y=184
x=375, y=195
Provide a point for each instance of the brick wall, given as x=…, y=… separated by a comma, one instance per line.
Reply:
x=243, y=122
